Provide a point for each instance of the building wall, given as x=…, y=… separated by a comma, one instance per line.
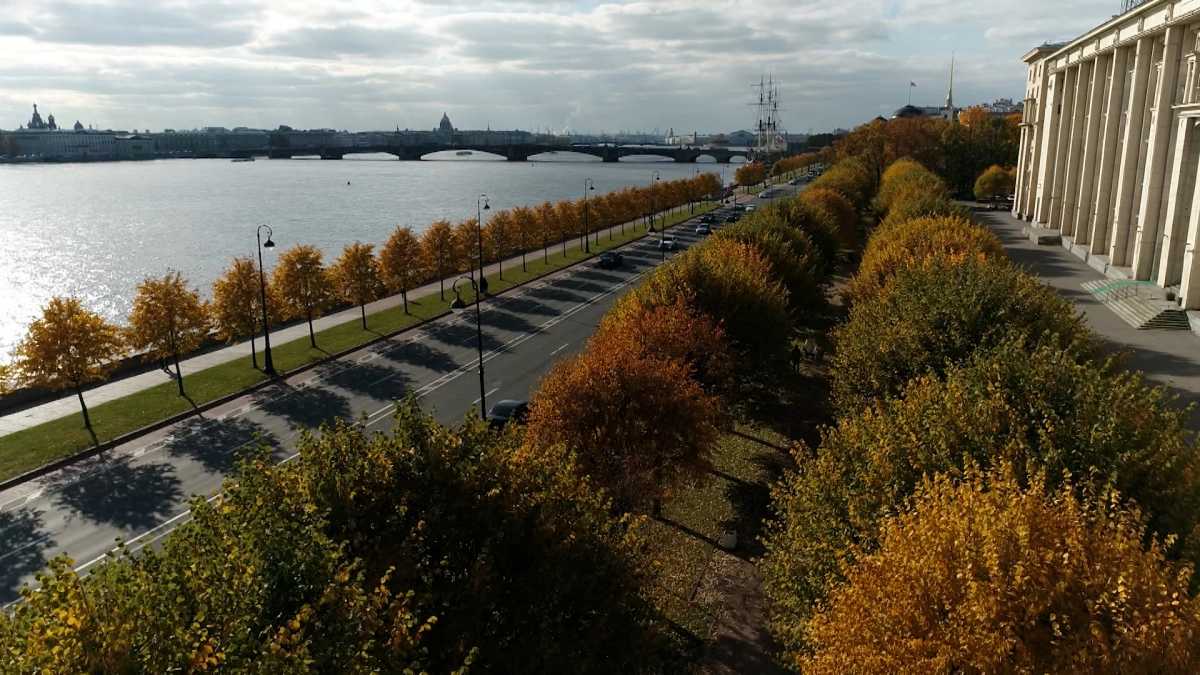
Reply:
x=1110, y=142
x=64, y=144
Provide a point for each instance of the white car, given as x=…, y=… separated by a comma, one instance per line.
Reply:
x=749, y=208
x=667, y=243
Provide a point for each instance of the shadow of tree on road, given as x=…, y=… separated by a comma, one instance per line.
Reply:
x=498, y=318
x=557, y=294
x=305, y=407
x=422, y=355
x=463, y=335
x=523, y=305
x=378, y=382
x=218, y=444
x=25, y=548
x=131, y=497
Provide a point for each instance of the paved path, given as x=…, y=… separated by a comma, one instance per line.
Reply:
x=1166, y=357
x=66, y=404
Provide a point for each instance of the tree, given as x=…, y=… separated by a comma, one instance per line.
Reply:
x=933, y=316
x=402, y=263
x=795, y=261
x=994, y=182
x=898, y=245
x=900, y=177
x=525, y=232
x=168, y=320
x=547, y=227
x=356, y=276
x=498, y=238
x=750, y=174
x=974, y=117
x=638, y=423
x=852, y=178
x=304, y=286
x=7, y=375
x=438, y=244
x=866, y=143
x=466, y=247
x=985, y=576
x=67, y=347
x=840, y=210
x=237, y=303
x=568, y=217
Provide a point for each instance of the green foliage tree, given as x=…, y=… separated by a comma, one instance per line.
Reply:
x=988, y=576
x=304, y=286
x=168, y=320
x=67, y=347
x=935, y=315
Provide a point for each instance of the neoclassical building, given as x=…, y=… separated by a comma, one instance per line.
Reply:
x=1110, y=145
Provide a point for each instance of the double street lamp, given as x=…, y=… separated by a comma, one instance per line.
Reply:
x=268, y=364
x=481, y=205
x=587, y=186
x=458, y=306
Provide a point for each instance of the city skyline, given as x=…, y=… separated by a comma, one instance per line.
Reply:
x=581, y=66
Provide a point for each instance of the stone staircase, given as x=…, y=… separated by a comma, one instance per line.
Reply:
x=1139, y=311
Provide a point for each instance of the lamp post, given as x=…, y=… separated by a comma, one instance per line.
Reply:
x=692, y=191
x=662, y=249
x=457, y=306
x=481, y=199
x=583, y=239
x=268, y=364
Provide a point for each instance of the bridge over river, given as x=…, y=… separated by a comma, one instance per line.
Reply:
x=515, y=152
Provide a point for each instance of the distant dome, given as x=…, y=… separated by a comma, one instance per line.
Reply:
x=908, y=111
x=78, y=126
x=445, y=125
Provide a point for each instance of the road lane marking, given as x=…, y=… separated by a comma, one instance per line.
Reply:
x=559, y=349
x=487, y=394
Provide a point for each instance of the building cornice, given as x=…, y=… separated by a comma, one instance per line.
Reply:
x=1146, y=19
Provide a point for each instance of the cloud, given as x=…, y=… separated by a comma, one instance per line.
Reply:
x=202, y=24
x=348, y=41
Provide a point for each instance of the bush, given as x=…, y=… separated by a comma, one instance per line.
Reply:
x=735, y=284
x=851, y=178
x=839, y=209
x=907, y=243
x=995, y=181
x=930, y=317
x=985, y=576
x=902, y=175
x=338, y=562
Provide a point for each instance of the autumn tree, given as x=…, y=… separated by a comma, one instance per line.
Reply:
x=7, y=375
x=852, y=178
x=304, y=287
x=438, y=245
x=795, y=261
x=525, y=232
x=546, y=217
x=498, y=238
x=987, y=576
x=994, y=182
x=638, y=423
x=974, y=117
x=750, y=174
x=237, y=303
x=402, y=263
x=867, y=144
x=168, y=320
x=67, y=347
x=466, y=246
x=356, y=276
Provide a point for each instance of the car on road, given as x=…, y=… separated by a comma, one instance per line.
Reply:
x=667, y=243
x=739, y=207
x=731, y=218
x=749, y=208
x=765, y=194
x=703, y=228
x=793, y=181
x=707, y=218
x=507, y=412
x=610, y=259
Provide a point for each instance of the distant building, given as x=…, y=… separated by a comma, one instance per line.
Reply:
x=444, y=126
x=42, y=139
x=209, y=142
x=741, y=139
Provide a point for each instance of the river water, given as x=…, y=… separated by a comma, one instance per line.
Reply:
x=95, y=231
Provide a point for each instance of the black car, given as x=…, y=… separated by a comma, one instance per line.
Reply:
x=731, y=218
x=707, y=218
x=739, y=207
x=610, y=259
x=507, y=411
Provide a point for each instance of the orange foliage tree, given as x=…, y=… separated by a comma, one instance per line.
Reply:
x=750, y=174
x=466, y=246
x=984, y=576
x=525, y=231
x=237, y=303
x=439, y=247
x=67, y=347
x=402, y=263
x=840, y=210
x=356, y=276
x=304, y=286
x=168, y=320
x=498, y=238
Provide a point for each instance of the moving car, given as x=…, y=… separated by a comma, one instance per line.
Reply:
x=610, y=259
x=793, y=182
x=707, y=218
x=739, y=207
x=749, y=208
x=507, y=411
x=667, y=242
x=703, y=228
x=731, y=218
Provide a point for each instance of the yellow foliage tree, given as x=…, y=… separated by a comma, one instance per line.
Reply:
x=402, y=263
x=982, y=576
x=995, y=181
x=356, y=276
x=168, y=320
x=6, y=378
x=237, y=303
x=568, y=219
x=546, y=217
x=466, y=246
x=498, y=238
x=525, y=231
x=438, y=244
x=67, y=347
x=972, y=117
x=750, y=174
x=303, y=285
x=841, y=211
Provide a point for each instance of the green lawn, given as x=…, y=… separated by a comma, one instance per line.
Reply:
x=37, y=446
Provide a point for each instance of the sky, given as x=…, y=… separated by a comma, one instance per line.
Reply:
x=586, y=67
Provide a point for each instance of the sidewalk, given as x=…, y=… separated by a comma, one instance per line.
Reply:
x=1166, y=357
x=66, y=404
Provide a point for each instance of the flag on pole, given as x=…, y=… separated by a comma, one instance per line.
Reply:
x=912, y=84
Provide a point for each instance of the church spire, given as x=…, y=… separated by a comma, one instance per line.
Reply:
x=950, y=93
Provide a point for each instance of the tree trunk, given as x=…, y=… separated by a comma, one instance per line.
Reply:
x=363, y=308
x=546, y=253
x=442, y=284
x=253, y=353
x=499, y=265
x=312, y=337
x=404, y=294
x=178, y=376
x=87, y=421
x=523, y=269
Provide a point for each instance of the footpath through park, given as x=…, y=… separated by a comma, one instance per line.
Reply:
x=1167, y=357
x=65, y=404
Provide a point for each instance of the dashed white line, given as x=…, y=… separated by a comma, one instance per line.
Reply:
x=560, y=349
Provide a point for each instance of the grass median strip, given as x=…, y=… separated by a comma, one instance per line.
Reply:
x=37, y=446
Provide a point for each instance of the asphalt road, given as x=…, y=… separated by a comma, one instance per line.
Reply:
x=138, y=491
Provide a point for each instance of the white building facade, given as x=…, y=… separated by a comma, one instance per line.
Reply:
x=1110, y=145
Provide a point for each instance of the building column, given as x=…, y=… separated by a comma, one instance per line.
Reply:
x=1066, y=115
x=1189, y=286
x=1052, y=115
x=1078, y=126
x=1091, y=148
x=1179, y=202
x=1131, y=151
x=1020, y=207
x=1101, y=215
x=1148, y=227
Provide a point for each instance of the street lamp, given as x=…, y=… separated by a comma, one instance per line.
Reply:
x=662, y=249
x=481, y=199
x=457, y=306
x=692, y=191
x=583, y=239
x=268, y=364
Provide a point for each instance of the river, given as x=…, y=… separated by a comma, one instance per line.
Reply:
x=96, y=230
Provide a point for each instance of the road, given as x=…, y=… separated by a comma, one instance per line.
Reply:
x=138, y=491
